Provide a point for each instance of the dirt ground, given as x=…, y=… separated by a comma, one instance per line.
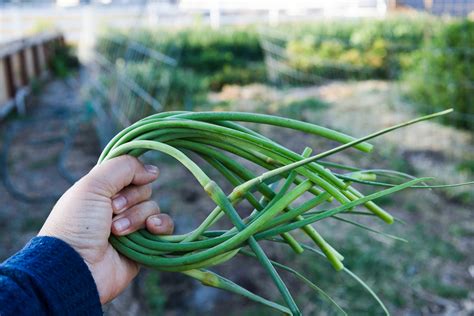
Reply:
x=44, y=152
x=425, y=149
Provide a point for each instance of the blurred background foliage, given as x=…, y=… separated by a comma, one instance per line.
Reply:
x=441, y=73
x=432, y=58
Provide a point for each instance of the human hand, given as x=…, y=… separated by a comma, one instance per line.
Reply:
x=112, y=198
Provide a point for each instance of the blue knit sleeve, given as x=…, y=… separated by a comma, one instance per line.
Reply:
x=47, y=277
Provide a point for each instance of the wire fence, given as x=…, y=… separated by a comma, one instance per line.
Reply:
x=307, y=65
x=278, y=61
x=374, y=97
x=128, y=81
x=130, y=78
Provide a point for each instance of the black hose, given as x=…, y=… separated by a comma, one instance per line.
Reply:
x=72, y=118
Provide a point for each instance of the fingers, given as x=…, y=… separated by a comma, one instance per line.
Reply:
x=115, y=174
x=130, y=196
x=146, y=214
x=160, y=224
x=134, y=218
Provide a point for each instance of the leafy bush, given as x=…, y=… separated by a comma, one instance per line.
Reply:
x=334, y=50
x=64, y=61
x=209, y=51
x=438, y=72
x=174, y=88
x=208, y=59
x=442, y=73
x=355, y=49
x=237, y=75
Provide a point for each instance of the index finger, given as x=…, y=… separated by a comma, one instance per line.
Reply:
x=119, y=172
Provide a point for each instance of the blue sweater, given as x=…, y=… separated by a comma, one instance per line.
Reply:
x=47, y=277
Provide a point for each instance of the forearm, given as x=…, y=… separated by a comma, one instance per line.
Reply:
x=47, y=277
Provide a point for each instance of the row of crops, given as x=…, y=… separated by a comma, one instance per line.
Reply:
x=432, y=58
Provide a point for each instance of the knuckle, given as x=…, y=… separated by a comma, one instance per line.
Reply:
x=167, y=219
x=168, y=222
x=92, y=184
x=152, y=205
x=129, y=163
x=171, y=224
x=134, y=193
x=147, y=191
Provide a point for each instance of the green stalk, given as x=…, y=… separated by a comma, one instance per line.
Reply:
x=208, y=278
x=187, y=137
x=276, y=121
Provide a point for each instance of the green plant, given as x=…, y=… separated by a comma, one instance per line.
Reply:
x=173, y=88
x=295, y=109
x=236, y=75
x=362, y=49
x=466, y=165
x=232, y=55
x=155, y=298
x=208, y=51
x=208, y=135
x=442, y=73
x=186, y=89
x=412, y=265
x=64, y=60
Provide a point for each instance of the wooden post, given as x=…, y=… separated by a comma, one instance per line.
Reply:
x=10, y=84
x=36, y=61
x=14, y=78
x=23, y=72
x=45, y=47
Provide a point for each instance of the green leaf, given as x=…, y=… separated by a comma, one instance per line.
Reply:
x=212, y=279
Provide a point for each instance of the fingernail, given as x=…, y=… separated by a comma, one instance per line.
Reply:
x=151, y=169
x=121, y=224
x=156, y=221
x=119, y=202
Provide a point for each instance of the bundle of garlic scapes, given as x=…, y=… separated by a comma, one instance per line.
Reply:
x=276, y=195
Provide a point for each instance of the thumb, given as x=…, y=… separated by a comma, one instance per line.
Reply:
x=113, y=175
